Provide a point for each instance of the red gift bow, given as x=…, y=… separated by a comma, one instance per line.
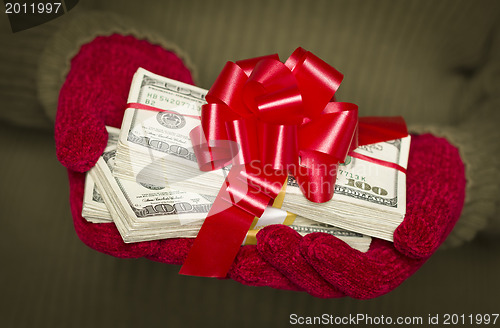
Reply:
x=269, y=119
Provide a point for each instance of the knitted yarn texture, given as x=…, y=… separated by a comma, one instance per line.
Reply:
x=95, y=92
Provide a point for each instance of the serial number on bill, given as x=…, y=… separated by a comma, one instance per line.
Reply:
x=33, y=8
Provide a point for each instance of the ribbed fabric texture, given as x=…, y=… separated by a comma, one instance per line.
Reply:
x=18, y=61
x=399, y=57
x=66, y=42
x=477, y=136
x=20, y=57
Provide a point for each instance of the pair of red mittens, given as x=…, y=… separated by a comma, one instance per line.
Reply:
x=95, y=95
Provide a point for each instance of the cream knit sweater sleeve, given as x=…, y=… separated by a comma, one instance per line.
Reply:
x=477, y=138
x=64, y=44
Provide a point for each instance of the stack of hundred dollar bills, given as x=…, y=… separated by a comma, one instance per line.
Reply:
x=148, y=182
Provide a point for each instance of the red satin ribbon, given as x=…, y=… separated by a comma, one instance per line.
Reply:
x=156, y=109
x=377, y=129
x=268, y=119
x=378, y=161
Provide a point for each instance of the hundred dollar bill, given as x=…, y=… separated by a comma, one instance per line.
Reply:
x=149, y=137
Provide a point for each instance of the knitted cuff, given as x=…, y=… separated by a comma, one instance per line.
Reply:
x=55, y=60
x=477, y=141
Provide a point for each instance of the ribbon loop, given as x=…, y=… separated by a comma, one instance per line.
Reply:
x=279, y=146
x=273, y=75
x=244, y=133
x=247, y=65
x=272, y=91
x=213, y=157
x=228, y=89
x=316, y=176
x=318, y=135
x=213, y=119
x=317, y=80
x=282, y=107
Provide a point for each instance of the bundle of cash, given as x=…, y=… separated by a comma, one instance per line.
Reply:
x=132, y=184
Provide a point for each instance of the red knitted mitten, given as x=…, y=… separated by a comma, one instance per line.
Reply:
x=95, y=94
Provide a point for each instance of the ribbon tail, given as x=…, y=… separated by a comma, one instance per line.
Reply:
x=214, y=155
x=378, y=129
x=222, y=232
x=218, y=242
x=317, y=183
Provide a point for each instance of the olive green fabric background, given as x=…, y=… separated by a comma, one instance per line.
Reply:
x=50, y=279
